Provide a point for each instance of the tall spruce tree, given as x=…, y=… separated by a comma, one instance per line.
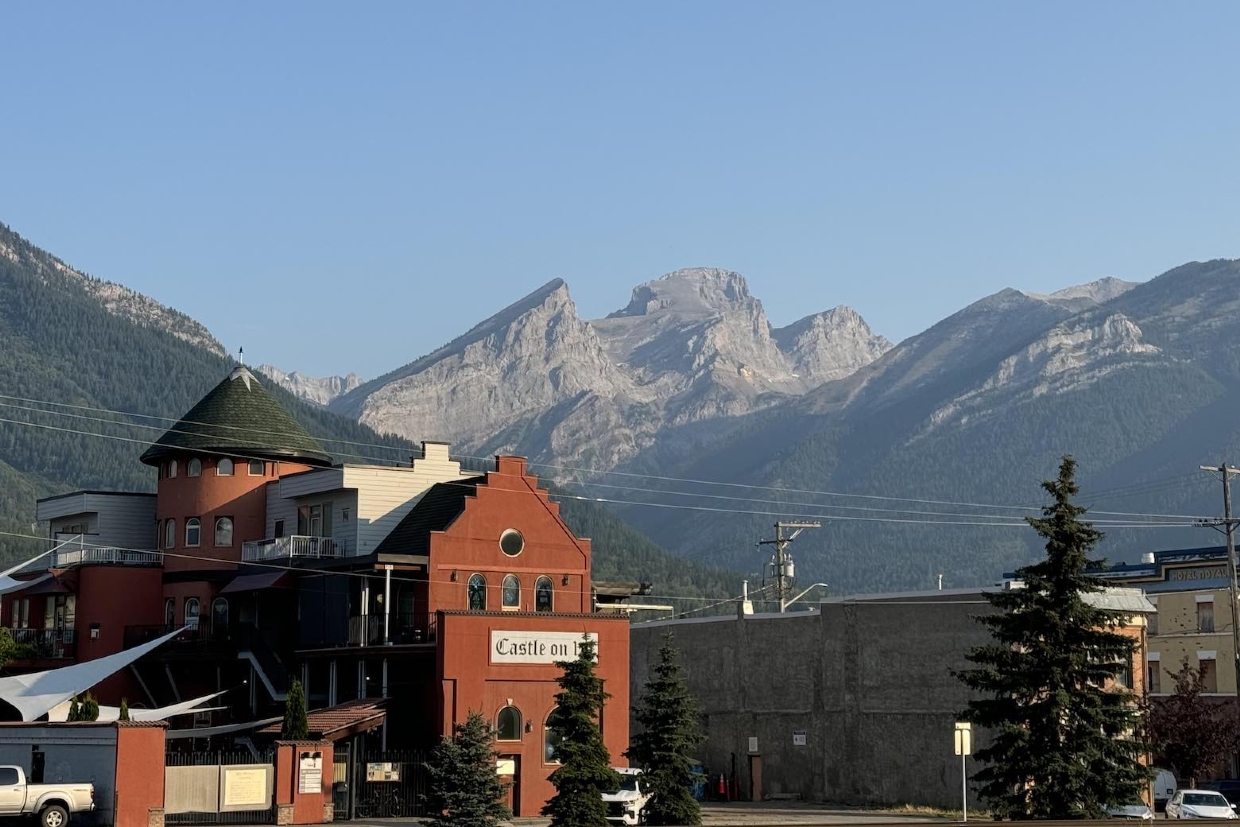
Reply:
x=295, y=726
x=585, y=772
x=663, y=747
x=1063, y=744
x=464, y=789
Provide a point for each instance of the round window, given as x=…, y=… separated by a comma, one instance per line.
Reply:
x=511, y=542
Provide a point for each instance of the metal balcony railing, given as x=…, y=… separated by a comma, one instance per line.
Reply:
x=69, y=556
x=282, y=548
x=46, y=643
x=367, y=630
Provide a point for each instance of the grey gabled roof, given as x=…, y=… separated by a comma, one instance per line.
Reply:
x=439, y=506
x=239, y=417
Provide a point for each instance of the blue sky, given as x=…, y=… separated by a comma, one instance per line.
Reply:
x=347, y=186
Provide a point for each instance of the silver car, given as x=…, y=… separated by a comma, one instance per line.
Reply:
x=1199, y=804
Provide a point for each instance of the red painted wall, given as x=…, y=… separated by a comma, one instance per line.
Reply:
x=509, y=499
x=307, y=807
x=115, y=597
x=470, y=681
x=139, y=772
x=240, y=496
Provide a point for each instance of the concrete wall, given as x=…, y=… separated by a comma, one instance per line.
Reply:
x=868, y=683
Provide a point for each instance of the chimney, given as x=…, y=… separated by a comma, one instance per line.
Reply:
x=434, y=451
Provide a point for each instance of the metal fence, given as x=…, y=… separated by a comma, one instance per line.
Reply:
x=389, y=784
x=204, y=814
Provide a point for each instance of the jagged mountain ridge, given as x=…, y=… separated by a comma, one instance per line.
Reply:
x=317, y=389
x=691, y=347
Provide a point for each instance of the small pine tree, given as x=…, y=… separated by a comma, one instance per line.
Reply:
x=75, y=710
x=585, y=772
x=1190, y=733
x=89, y=709
x=464, y=789
x=1064, y=744
x=295, y=727
x=124, y=715
x=663, y=747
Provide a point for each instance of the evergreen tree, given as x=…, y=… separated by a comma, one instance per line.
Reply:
x=89, y=710
x=663, y=747
x=1187, y=731
x=295, y=727
x=75, y=710
x=1063, y=742
x=124, y=714
x=464, y=788
x=585, y=772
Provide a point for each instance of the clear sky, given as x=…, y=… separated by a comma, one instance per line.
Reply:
x=347, y=186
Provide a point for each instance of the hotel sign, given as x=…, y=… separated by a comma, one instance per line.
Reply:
x=537, y=647
x=1211, y=573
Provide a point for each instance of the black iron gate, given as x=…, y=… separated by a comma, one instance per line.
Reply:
x=389, y=784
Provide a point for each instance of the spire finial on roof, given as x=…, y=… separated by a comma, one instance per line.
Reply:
x=241, y=356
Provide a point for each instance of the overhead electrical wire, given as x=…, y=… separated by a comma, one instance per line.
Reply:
x=792, y=506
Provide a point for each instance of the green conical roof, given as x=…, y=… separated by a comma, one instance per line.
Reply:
x=239, y=417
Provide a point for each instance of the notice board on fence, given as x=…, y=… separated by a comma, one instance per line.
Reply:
x=245, y=787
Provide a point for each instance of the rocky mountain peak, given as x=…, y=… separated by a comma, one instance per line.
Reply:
x=318, y=389
x=691, y=292
x=830, y=345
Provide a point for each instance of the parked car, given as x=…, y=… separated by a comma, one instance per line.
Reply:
x=627, y=805
x=1164, y=788
x=1199, y=804
x=1229, y=787
x=52, y=803
x=1133, y=812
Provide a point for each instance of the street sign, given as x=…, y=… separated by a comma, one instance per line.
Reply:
x=964, y=738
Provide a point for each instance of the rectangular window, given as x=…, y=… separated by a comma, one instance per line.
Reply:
x=23, y=622
x=314, y=520
x=279, y=531
x=1123, y=678
x=1210, y=681
x=1205, y=616
x=1151, y=623
x=1153, y=677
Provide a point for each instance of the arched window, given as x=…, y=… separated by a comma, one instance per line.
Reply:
x=508, y=724
x=172, y=469
x=170, y=534
x=194, y=467
x=219, y=614
x=512, y=592
x=193, y=530
x=224, y=467
x=257, y=468
x=223, y=532
x=478, y=593
x=551, y=741
x=191, y=612
x=542, y=594
x=170, y=612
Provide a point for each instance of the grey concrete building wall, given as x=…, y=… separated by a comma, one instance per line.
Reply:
x=71, y=753
x=869, y=684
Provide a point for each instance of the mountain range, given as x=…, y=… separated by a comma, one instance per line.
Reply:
x=92, y=372
x=697, y=421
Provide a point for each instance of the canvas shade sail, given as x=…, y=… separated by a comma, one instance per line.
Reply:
x=38, y=693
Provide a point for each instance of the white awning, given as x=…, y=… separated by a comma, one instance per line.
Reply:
x=113, y=713
x=38, y=693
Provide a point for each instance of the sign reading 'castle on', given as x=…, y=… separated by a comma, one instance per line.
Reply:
x=537, y=647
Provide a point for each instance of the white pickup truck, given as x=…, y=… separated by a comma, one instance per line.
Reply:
x=627, y=805
x=52, y=803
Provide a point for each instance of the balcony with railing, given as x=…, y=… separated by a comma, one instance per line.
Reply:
x=45, y=643
x=403, y=630
x=80, y=555
x=291, y=547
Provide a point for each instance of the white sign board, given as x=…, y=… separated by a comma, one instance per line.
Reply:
x=244, y=788
x=964, y=739
x=753, y=744
x=537, y=647
x=310, y=773
x=798, y=739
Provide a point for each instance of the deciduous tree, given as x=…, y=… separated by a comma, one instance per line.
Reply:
x=1187, y=730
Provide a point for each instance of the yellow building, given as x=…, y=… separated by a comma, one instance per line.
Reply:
x=1189, y=588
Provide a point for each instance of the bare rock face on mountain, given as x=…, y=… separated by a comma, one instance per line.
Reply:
x=830, y=345
x=533, y=360
x=317, y=389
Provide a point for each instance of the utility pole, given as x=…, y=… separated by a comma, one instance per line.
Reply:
x=783, y=562
x=1226, y=472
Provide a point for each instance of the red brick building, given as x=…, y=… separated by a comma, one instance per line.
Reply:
x=441, y=589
